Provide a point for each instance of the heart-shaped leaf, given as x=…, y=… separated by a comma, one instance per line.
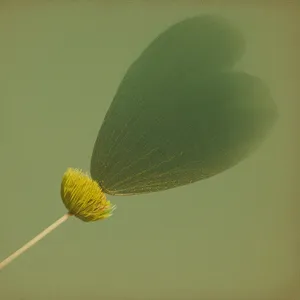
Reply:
x=181, y=113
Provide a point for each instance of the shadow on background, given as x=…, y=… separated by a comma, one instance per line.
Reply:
x=181, y=113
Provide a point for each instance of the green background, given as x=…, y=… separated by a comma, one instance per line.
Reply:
x=234, y=236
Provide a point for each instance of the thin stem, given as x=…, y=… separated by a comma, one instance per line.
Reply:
x=32, y=242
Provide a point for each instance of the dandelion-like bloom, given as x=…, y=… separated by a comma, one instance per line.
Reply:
x=83, y=197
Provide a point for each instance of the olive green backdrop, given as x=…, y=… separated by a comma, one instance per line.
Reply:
x=234, y=236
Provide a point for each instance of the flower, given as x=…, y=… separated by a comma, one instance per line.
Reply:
x=83, y=197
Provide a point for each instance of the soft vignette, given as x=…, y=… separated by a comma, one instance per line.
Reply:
x=289, y=9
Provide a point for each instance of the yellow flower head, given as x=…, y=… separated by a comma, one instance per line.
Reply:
x=83, y=197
